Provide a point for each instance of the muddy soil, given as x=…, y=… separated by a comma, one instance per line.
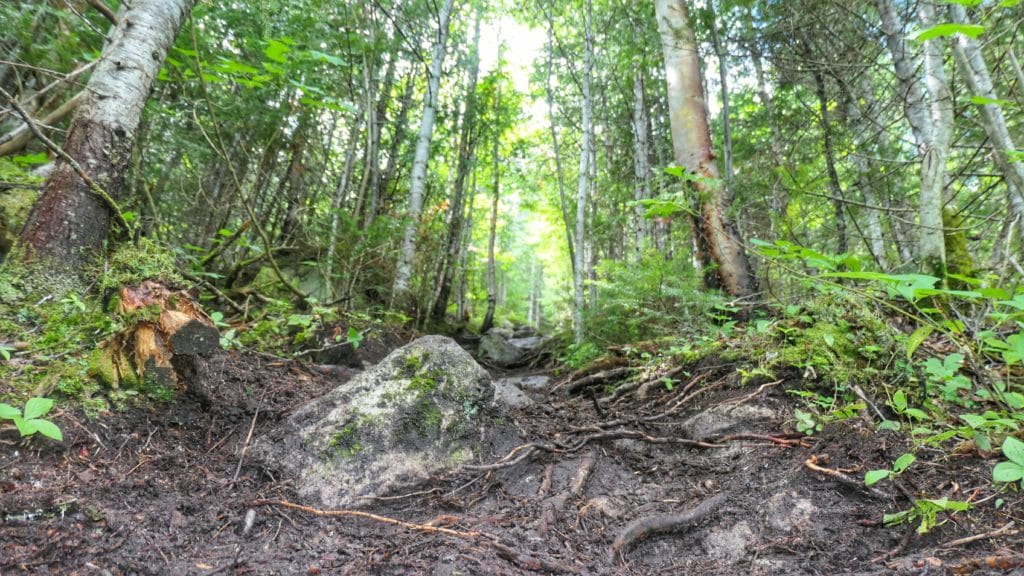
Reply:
x=603, y=490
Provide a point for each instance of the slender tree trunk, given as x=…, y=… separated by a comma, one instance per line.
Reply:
x=492, y=281
x=723, y=79
x=397, y=137
x=976, y=74
x=932, y=241
x=842, y=245
x=641, y=160
x=376, y=177
x=559, y=171
x=860, y=111
x=407, y=253
x=467, y=149
x=69, y=223
x=462, y=312
x=692, y=145
x=341, y=192
x=583, y=183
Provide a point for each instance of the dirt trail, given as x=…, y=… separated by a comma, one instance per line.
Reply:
x=703, y=479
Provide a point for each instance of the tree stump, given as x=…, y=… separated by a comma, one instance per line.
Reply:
x=166, y=333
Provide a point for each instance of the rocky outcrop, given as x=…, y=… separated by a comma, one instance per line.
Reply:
x=417, y=413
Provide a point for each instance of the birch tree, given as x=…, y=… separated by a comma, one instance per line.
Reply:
x=691, y=141
x=69, y=223
x=407, y=252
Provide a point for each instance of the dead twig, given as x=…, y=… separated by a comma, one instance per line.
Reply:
x=554, y=505
x=812, y=464
x=644, y=527
x=781, y=441
x=1005, y=530
x=752, y=395
x=245, y=446
x=368, y=516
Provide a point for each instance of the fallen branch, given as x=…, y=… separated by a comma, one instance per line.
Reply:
x=812, y=464
x=1005, y=530
x=642, y=528
x=369, y=516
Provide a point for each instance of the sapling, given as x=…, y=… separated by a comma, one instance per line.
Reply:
x=31, y=420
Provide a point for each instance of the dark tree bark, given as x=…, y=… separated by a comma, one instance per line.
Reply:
x=69, y=223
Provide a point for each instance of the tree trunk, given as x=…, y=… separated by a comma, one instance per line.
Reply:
x=860, y=111
x=723, y=78
x=691, y=141
x=467, y=149
x=830, y=164
x=403, y=269
x=932, y=242
x=583, y=183
x=976, y=74
x=69, y=223
x=492, y=281
x=641, y=160
x=341, y=192
x=555, y=148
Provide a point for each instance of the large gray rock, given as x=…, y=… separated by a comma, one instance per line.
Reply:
x=417, y=413
x=495, y=349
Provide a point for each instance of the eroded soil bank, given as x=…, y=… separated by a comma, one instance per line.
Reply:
x=630, y=487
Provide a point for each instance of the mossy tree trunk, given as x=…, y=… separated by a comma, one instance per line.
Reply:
x=69, y=223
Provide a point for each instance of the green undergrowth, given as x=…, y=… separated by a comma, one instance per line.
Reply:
x=49, y=334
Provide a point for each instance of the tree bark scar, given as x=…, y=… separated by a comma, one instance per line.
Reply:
x=644, y=527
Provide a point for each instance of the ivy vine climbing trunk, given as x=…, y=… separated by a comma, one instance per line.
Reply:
x=691, y=141
x=69, y=223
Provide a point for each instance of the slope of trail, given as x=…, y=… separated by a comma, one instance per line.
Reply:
x=706, y=478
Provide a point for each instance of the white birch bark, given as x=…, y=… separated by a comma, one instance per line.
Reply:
x=583, y=183
x=641, y=162
x=975, y=71
x=403, y=269
x=932, y=242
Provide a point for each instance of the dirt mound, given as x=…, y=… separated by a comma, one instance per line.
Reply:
x=614, y=489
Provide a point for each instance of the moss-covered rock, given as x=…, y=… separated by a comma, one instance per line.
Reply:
x=419, y=412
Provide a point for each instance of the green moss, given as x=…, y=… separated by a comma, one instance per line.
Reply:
x=131, y=263
x=413, y=363
x=345, y=443
x=425, y=382
x=958, y=257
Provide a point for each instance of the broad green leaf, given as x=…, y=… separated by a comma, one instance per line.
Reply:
x=1014, y=351
x=903, y=462
x=49, y=429
x=967, y=3
x=25, y=427
x=354, y=337
x=276, y=50
x=1009, y=3
x=949, y=29
x=1014, y=450
x=974, y=420
x=899, y=401
x=1007, y=472
x=917, y=338
x=37, y=407
x=875, y=476
x=8, y=412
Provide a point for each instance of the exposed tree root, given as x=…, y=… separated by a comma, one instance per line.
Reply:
x=1002, y=563
x=573, y=386
x=383, y=519
x=644, y=527
x=812, y=464
x=554, y=505
x=528, y=562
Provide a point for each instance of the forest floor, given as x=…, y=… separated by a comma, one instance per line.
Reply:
x=168, y=490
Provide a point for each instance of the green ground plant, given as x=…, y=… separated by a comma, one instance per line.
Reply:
x=30, y=420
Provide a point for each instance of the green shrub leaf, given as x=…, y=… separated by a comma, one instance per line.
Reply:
x=1013, y=449
x=37, y=407
x=48, y=429
x=8, y=412
x=1007, y=472
x=875, y=476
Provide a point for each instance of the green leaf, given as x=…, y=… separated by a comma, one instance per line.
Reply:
x=48, y=429
x=982, y=100
x=899, y=401
x=967, y=3
x=903, y=462
x=917, y=338
x=25, y=427
x=8, y=412
x=354, y=337
x=1015, y=349
x=1007, y=472
x=949, y=29
x=276, y=50
x=31, y=159
x=1014, y=450
x=36, y=407
x=329, y=58
x=875, y=476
